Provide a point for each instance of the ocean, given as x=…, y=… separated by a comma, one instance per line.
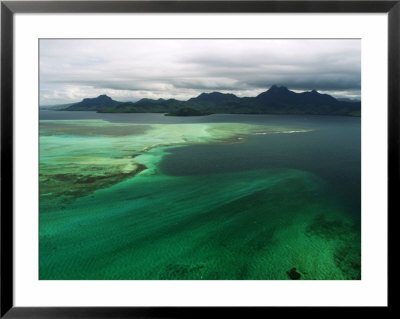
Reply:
x=218, y=197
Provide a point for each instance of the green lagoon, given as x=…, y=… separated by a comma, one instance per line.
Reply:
x=219, y=197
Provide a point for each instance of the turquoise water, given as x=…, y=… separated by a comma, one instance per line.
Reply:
x=245, y=206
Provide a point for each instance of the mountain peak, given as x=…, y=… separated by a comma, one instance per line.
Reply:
x=275, y=91
x=276, y=87
x=277, y=94
x=214, y=97
x=104, y=97
x=94, y=104
x=213, y=94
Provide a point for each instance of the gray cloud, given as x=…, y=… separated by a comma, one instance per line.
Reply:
x=132, y=69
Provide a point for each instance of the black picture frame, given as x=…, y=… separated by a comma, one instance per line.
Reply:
x=9, y=8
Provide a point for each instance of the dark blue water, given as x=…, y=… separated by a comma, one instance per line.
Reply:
x=228, y=213
x=332, y=150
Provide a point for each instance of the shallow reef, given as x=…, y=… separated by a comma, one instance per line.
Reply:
x=107, y=212
x=346, y=239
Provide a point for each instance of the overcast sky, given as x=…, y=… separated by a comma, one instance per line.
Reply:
x=128, y=70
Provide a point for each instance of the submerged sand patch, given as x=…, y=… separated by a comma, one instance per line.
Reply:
x=80, y=156
x=235, y=226
x=108, y=213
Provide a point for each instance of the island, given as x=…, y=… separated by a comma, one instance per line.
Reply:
x=187, y=111
x=276, y=100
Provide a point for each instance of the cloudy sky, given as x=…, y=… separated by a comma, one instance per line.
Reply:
x=128, y=70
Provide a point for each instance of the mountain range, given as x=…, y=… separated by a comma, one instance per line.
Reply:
x=276, y=100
